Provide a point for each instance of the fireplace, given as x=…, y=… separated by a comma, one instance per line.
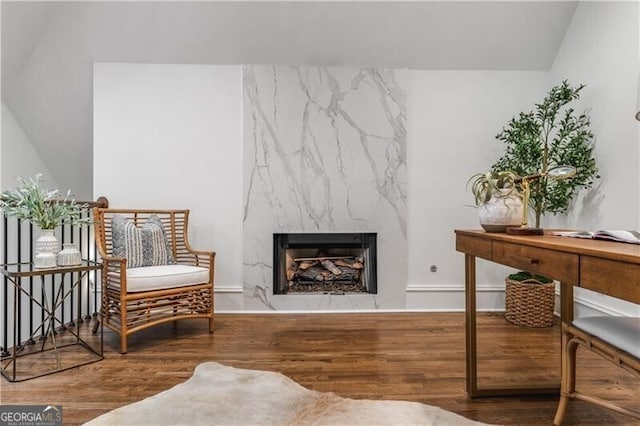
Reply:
x=324, y=263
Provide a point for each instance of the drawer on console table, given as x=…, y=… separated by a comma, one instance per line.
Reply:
x=554, y=264
x=611, y=277
x=480, y=247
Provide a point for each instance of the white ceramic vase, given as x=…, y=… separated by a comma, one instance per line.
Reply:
x=46, y=248
x=501, y=212
x=69, y=255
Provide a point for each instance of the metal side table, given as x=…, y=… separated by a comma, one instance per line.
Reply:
x=49, y=350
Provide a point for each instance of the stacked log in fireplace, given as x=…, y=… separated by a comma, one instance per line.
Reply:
x=323, y=273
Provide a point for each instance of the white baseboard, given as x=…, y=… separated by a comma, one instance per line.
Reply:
x=450, y=297
x=229, y=298
x=221, y=288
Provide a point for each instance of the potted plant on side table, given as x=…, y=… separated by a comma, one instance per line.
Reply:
x=44, y=208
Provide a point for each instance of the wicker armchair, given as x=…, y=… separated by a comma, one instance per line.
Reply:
x=616, y=339
x=175, y=287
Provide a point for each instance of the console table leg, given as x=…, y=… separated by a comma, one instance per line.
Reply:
x=566, y=302
x=470, y=324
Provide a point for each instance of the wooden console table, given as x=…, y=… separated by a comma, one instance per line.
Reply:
x=606, y=267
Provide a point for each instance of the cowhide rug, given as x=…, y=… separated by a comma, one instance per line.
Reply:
x=221, y=395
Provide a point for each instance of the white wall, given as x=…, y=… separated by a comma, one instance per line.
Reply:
x=454, y=117
x=18, y=157
x=601, y=50
x=453, y=120
x=169, y=136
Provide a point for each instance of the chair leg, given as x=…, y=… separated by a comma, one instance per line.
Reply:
x=562, y=409
x=572, y=348
x=568, y=384
x=211, y=325
x=123, y=343
x=124, y=324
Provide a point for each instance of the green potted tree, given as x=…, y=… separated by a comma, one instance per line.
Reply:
x=549, y=136
x=47, y=209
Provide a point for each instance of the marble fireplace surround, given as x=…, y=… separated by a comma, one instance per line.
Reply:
x=324, y=150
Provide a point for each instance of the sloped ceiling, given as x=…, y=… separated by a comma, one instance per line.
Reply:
x=48, y=49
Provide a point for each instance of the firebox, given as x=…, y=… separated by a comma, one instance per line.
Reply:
x=324, y=263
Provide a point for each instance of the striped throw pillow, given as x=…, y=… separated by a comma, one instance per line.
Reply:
x=156, y=220
x=141, y=246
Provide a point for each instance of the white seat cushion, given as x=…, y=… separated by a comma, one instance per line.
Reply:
x=160, y=277
x=621, y=332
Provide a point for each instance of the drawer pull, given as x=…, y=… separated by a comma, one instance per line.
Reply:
x=527, y=260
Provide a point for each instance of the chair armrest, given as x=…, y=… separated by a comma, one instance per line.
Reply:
x=113, y=259
x=200, y=258
x=202, y=252
x=114, y=273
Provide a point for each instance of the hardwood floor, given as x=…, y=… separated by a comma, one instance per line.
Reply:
x=405, y=356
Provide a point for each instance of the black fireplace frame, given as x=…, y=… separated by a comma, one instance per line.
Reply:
x=364, y=240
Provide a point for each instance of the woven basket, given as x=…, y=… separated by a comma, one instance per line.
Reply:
x=529, y=302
